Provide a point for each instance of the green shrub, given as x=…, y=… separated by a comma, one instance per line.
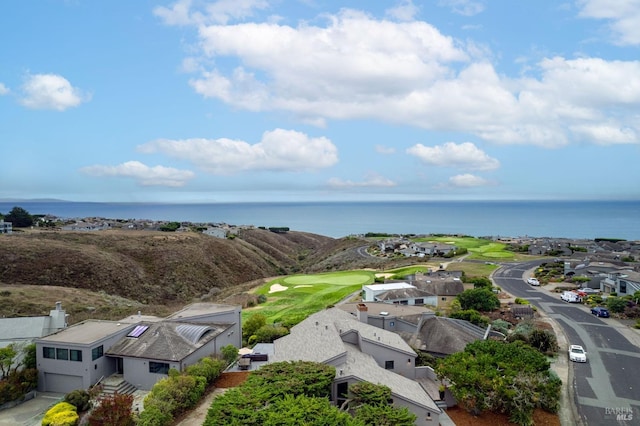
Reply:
x=173, y=395
x=61, y=414
x=208, y=368
x=268, y=333
x=616, y=304
x=544, y=341
x=472, y=316
x=17, y=384
x=520, y=301
x=501, y=325
x=229, y=353
x=79, y=398
x=154, y=416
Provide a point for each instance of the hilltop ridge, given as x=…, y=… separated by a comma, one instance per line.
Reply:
x=171, y=268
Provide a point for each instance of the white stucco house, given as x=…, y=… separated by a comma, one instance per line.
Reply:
x=372, y=290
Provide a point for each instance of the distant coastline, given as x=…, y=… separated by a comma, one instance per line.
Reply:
x=562, y=219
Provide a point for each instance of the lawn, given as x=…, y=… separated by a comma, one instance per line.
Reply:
x=293, y=298
x=479, y=249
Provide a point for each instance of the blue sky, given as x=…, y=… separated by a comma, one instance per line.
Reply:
x=260, y=100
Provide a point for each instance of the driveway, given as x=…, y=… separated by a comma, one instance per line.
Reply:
x=30, y=413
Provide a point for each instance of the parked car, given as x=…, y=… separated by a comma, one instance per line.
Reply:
x=589, y=290
x=577, y=353
x=533, y=281
x=571, y=297
x=600, y=312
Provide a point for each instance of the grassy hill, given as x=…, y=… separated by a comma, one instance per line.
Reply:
x=152, y=271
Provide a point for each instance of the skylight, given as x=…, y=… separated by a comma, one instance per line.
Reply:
x=138, y=330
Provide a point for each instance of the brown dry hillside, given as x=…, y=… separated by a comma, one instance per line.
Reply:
x=161, y=268
x=149, y=266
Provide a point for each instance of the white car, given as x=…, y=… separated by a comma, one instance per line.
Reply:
x=533, y=281
x=577, y=353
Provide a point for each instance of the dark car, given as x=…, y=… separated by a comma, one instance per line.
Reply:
x=600, y=312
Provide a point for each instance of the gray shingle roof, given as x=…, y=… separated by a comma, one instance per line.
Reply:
x=167, y=340
x=443, y=335
x=318, y=339
x=405, y=293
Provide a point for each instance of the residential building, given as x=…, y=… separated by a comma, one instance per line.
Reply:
x=359, y=352
x=27, y=329
x=407, y=296
x=215, y=231
x=6, y=227
x=446, y=289
x=371, y=291
x=622, y=282
x=140, y=348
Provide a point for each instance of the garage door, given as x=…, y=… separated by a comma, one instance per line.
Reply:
x=62, y=383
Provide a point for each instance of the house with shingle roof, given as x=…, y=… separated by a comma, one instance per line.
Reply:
x=445, y=289
x=27, y=329
x=359, y=352
x=141, y=349
x=407, y=296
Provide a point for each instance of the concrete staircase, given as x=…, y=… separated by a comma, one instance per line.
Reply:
x=117, y=384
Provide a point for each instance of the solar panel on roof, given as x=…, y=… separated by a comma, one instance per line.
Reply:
x=138, y=330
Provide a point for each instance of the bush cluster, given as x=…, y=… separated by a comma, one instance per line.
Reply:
x=61, y=414
x=177, y=393
x=17, y=384
x=79, y=398
x=298, y=393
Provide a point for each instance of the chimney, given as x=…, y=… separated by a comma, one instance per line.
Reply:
x=363, y=313
x=58, y=306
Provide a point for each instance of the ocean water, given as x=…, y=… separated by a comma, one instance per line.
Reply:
x=570, y=219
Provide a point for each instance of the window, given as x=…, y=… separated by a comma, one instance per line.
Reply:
x=62, y=354
x=97, y=353
x=444, y=299
x=48, y=353
x=623, y=287
x=388, y=365
x=158, y=367
x=75, y=355
x=419, y=302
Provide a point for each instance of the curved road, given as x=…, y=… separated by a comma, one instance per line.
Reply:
x=606, y=389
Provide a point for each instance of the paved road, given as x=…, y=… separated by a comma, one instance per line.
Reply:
x=606, y=389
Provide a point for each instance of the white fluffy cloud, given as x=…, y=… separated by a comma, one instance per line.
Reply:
x=464, y=7
x=409, y=73
x=464, y=156
x=183, y=12
x=143, y=174
x=279, y=150
x=3, y=89
x=623, y=17
x=467, y=181
x=372, y=180
x=404, y=11
x=50, y=91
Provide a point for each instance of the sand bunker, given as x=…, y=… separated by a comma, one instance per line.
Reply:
x=276, y=288
x=384, y=275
